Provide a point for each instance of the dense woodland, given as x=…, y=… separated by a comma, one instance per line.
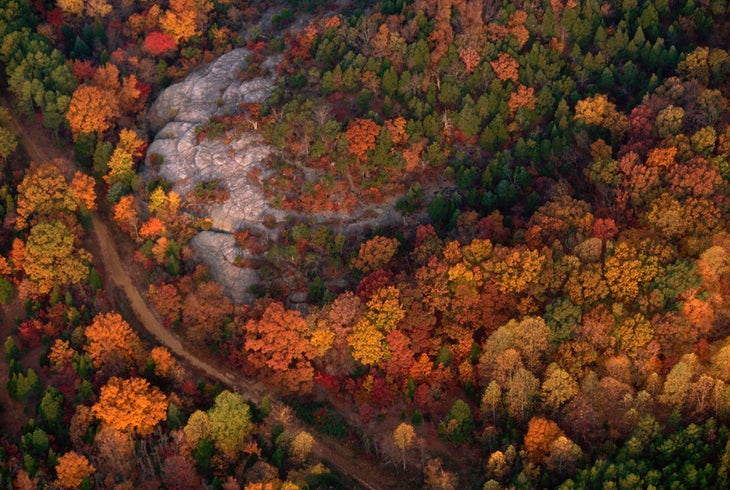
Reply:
x=557, y=320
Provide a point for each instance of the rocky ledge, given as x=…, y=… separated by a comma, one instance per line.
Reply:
x=179, y=156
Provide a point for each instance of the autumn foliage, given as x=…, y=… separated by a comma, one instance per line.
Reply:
x=72, y=469
x=130, y=405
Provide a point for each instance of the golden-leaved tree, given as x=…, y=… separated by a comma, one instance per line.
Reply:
x=131, y=405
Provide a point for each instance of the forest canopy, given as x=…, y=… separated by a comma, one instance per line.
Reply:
x=552, y=314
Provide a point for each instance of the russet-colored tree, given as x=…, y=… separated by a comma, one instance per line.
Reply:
x=112, y=344
x=125, y=214
x=72, y=468
x=279, y=343
x=207, y=309
x=167, y=301
x=375, y=253
x=131, y=405
x=505, y=67
x=361, y=135
x=540, y=435
x=522, y=97
x=90, y=111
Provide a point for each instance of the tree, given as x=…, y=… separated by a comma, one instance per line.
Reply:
x=403, y=437
x=130, y=405
x=279, y=343
x=159, y=43
x=540, y=435
x=75, y=7
x=89, y=111
x=72, y=469
x=458, y=424
x=185, y=18
x=505, y=67
x=564, y=456
x=230, y=422
x=82, y=190
x=8, y=143
x=197, y=428
x=384, y=313
x=361, y=135
x=522, y=392
x=558, y=387
x=44, y=193
x=598, y=111
x=125, y=214
x=300, y=447
x=678, y=382
x=121, y=168
x=112, y=344
x=375, y=253
x=178, y=472
x=98, y=8
x=491, y=400
x=627, y=270
x=165, y=364
x=51, y=260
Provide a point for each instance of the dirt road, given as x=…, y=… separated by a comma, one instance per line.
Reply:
x=368, y=475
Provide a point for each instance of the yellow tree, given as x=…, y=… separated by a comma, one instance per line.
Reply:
x=185, y=18
x=44, y=192
x=403, y=437
x=75, y=7
x=72, y=468
x=558, y=387
x=98, y=8
x=384, y=313
x=197, y=428
x=130, y=405
x=51, y=259
x=121, y=168
x=300, y=447
x=627, y=270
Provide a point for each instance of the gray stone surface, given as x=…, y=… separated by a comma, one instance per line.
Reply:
x=217, y=89
x=218, y=251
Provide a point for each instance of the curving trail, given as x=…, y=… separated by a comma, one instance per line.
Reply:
x=365, y=473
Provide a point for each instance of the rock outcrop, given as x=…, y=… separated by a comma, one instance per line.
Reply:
x=186, y=161
x=178, y=111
